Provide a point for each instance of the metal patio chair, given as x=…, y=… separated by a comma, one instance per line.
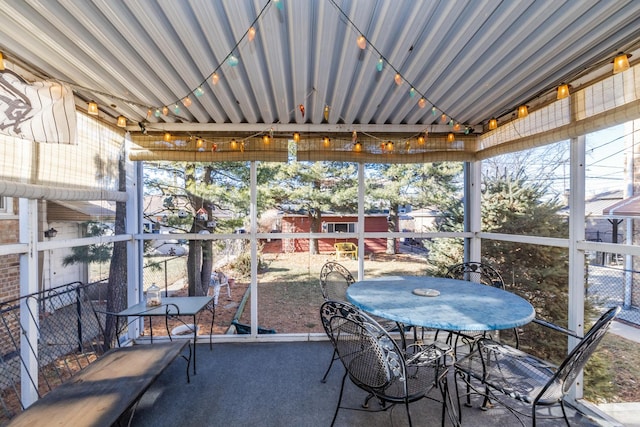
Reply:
x=507, y=373
x=375, y=363
x=334, y=281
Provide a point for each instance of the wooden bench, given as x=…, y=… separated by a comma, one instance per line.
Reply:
x=106, y=389
x=346, y=249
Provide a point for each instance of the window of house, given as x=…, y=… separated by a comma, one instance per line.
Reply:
x=6, y=205
x=341, y=227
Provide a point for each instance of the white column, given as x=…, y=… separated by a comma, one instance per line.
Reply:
x=361, y=219
x=133, y=226
x=253, y=216
x=576, y=256
x=472, y=210
x=29, y=285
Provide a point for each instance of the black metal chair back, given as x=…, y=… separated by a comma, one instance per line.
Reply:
x=476, y=272
x=375, y=363
x=334, y=281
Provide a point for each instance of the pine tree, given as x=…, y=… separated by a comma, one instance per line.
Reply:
x=514, y=205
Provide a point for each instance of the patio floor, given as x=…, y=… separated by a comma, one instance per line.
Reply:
x=278, y=384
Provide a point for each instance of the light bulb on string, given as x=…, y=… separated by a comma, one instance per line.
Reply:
x=357, y=147
x=176, y=108
x=398, y=79
x=165, y=111
x=278, y=4
x=443, y=118
x=354, y=136
x=362, y=42
x=326, y=141
x=234, y=144
x=232, y=60
x=456, y=127
x=251, y=34
x=266, y=139
x=389, y=145
x=214, y=147
x=422, y=103
x=434, y=111
x=296, y=137
x=301, y=108
x=380, y=64
x=149, y=113
x=326, y=112
x=200, y=145
x=186, y=101
x=451, y=122
x=157, y=112
x=412, y=93
x=199, y=91
x=420, y=139
x=215, y=78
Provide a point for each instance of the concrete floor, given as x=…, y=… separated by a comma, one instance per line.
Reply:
x=278, y=384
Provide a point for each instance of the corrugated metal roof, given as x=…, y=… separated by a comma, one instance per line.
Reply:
x=472, y=60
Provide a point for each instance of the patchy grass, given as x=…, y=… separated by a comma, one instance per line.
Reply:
x=612, y=375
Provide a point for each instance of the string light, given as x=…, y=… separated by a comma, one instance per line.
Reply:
x=422, y=103
x=563, y=91
x=296, y=137
x=326, y=112
x=451, y=137
x=122, y=121
x=167, y=137
x=251, y=34
x=493, y=124
x=326, y=141
x=92, y=108
x=398, y=79
x=357, y=147
x=412, y=93
x=362, y=42
x=380, y=64
x=523, y=111
x=198, y=92
x=420, y=139
x=186, y=102
x=215, y=79
x=232, y=60
x=165, y=111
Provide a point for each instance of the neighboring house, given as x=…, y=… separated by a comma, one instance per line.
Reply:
x=331, y=223
x=69, y=220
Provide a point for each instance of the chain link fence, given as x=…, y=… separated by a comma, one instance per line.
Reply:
x=611, y=286
x=165, y=272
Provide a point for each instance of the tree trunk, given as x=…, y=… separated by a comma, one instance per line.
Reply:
x=315, y=220
x=393, y=226
x=117, y=282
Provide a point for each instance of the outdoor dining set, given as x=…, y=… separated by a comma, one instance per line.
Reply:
x=402, y=338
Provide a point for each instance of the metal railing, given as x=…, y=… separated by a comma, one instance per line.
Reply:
x=66, y=336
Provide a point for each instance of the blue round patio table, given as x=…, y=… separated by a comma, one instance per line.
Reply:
x=459, y=305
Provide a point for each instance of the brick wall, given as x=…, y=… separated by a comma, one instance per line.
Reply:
x=9, y=264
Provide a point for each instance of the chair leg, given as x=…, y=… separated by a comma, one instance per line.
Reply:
x=333, y=358
x=335, y=415
x=564, y=413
